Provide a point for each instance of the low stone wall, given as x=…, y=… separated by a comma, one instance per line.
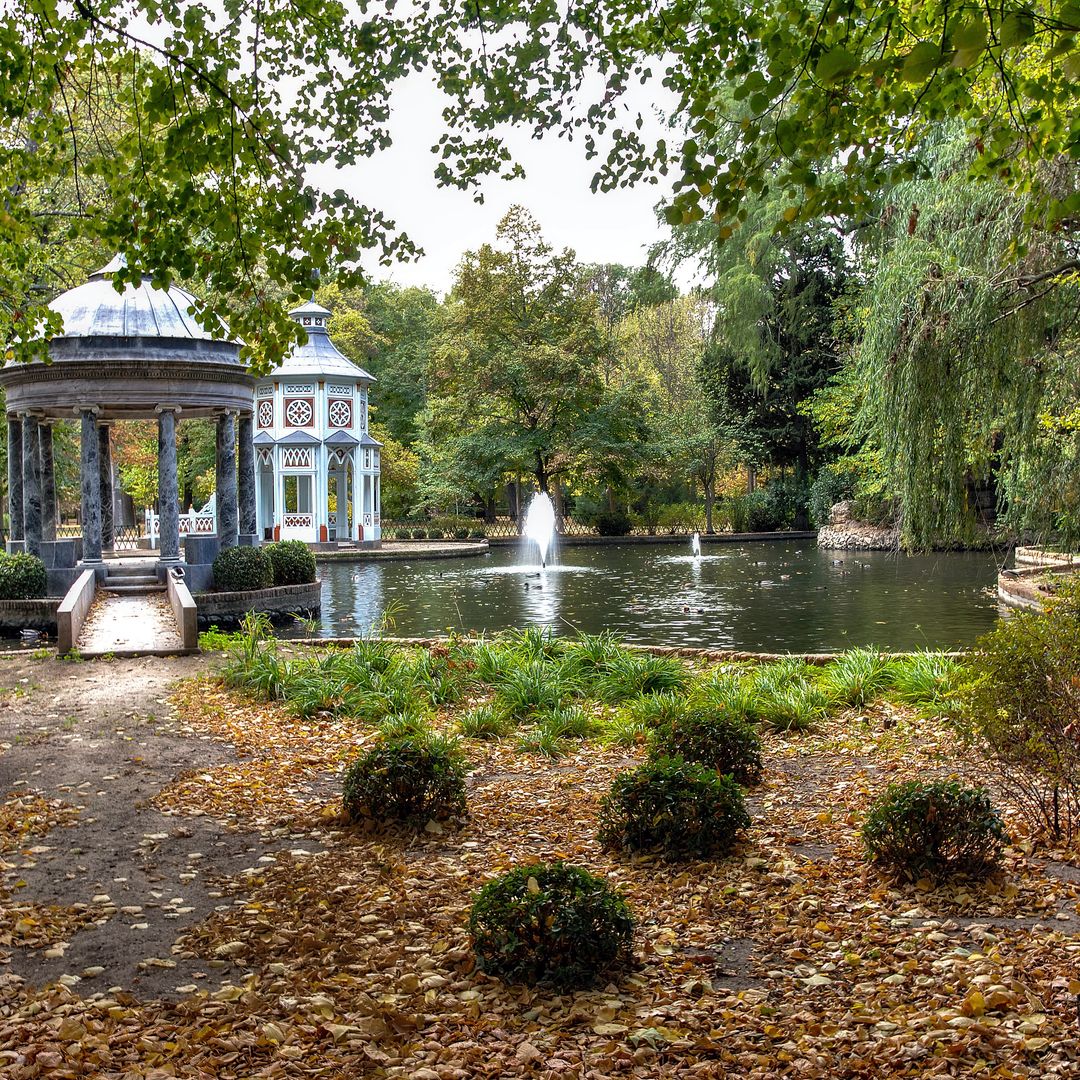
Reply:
x=16, y=615
x=858, y=536
x=1028, y=586
x=683, y=539
x=225, y=609
x=1040, y=557
x=400, y=550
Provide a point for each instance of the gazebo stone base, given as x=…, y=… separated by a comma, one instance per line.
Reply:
x=60, y=578
x=55, y=554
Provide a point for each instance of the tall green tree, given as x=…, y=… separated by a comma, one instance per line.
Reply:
x=967, y=354
x=516, y=367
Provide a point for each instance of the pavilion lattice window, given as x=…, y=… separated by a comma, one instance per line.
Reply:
x=299, y=412
x=266, y=414
x=341, y=414
x=339, y=391
x=296, y=457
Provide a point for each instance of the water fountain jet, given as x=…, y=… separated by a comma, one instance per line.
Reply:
x=695, y=546
x=539, y=525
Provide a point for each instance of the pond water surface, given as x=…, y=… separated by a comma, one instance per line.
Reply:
x=764, y=596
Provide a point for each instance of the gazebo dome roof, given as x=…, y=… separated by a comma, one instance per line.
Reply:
x=96, y=309
x=129, y=354
x=318, y=357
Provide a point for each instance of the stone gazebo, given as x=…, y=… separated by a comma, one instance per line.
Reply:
x=132, y=355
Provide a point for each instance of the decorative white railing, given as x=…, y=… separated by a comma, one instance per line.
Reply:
x=298, y=521
x=194, y=523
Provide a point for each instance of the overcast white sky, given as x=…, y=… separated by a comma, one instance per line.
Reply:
x=617, y=226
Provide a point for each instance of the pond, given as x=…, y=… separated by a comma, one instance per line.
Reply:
x=765, y=596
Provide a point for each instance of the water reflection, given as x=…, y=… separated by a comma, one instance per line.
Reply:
x=753, y=596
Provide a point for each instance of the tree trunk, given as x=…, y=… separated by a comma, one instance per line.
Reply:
x=710, y=498
x=541, y=474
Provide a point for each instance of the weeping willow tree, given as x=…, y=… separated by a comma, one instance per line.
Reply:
x=968, y=352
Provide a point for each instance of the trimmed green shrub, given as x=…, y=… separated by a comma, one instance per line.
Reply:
x=22, y=577
x=477, y=534
x=680, y=808
x=419, y=534
x=293, y=562
x=552, y=923
x=461, y=534
x=762, y=511
x=434, y=534
x=612, y=523
x=238, y=569
x=724, y=743
x=934, y=829
x=413, y=779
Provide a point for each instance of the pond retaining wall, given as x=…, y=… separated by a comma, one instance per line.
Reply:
x=225, y=609
x=16, y=615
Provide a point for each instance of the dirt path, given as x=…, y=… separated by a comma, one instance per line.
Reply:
x=100, y=737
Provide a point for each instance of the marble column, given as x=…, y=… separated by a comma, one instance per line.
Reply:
x=168, y=488
x=14, y=463
x=90, y=468
x=246, y=484
x=31, y=479
x=105, y=466
x=227, y=516
x=48, y=480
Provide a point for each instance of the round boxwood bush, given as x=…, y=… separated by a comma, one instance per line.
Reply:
x=673, y=806
x=412, y=779
x=934, y=829
x=419, y=534
x=22, y=577
x=612, y=523
x=709, y=737
x=238, y=569
x=434, y=534
x=477, y=534
x=293, y=562
x=550, y=923
x=461, y=534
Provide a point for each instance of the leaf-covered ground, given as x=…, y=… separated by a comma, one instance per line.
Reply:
x=343, y=953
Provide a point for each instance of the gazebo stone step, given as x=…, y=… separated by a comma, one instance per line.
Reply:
x=128, y=589
x=131, y=579
x=139, y=568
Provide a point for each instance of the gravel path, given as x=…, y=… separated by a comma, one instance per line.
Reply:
x=100, y=737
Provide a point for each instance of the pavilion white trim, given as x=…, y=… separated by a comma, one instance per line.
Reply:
x=317, y=468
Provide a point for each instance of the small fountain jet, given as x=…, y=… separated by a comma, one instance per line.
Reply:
x=695, y=546
x=539, y=525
